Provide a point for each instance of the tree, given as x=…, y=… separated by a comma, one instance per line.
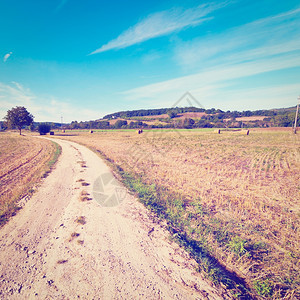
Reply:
x=120, y=123
x=18, y=117
x=74, y=125
x=44, y=128
x=188, y=123
x=172, y=114
x=32, y=127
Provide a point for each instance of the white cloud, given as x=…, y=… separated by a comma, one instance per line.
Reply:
x=6, y=56
x=226, y=60
x=61, y=4
x=43, y=108
x=160, y=24
x=150, y=57
x=212, y=84
x=262, y=38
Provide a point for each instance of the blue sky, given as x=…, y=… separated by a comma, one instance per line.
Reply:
x=84, y=59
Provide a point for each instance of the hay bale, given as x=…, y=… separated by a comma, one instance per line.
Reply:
x=245, y=131
x=218, y=131
x=91, y=131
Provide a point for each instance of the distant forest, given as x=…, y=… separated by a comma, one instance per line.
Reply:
x=211, y=118
x=175, y=118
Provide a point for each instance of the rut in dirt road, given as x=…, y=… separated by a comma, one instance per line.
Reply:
x=68, y=242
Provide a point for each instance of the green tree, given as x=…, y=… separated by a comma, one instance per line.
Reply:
x=32, y=127
x=120, y=123
x=172, y=114
x=44, y=128
x=18, y=117
x=188, y=123
x=74, y=125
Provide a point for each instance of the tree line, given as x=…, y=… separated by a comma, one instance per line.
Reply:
x=20, y=118
x=180, y=110
x=212, y=118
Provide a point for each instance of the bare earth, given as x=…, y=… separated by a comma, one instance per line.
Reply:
x=120, y=253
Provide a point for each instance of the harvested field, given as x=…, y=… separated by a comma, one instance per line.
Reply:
x=162, y=116
x=23, y=161
x=193, y=115
x=114, y=121
x=252, y=118
x=237, y=196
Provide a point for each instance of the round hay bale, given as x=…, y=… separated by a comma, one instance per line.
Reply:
x=245, y=131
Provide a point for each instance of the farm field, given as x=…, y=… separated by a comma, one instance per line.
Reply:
x=23, y=161
x=235, y=196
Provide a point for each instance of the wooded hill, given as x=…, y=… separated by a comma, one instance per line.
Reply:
x=191, y=117
x=185, y=117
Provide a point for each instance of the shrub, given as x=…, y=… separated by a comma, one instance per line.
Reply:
x=44, y=128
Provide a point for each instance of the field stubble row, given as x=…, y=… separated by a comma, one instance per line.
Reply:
x=23, y=161
x=246, y=189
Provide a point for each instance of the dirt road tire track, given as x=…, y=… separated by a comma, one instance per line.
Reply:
x=118, y=254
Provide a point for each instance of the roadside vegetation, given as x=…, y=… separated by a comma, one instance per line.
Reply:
x=231, y=200
x=24, y=160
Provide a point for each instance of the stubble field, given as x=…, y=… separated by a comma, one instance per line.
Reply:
x=232, y=197
x=23, y=161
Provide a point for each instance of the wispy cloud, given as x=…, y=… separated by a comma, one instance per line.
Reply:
x=6, y=56
x=160, y=24
x=210, y=85
x=44, y=108
x=262, y=38
x=61, y=4
x=223, y=63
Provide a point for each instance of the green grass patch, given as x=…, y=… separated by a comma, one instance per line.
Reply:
x=263, y=288
x=55, y=156
x=171, y=207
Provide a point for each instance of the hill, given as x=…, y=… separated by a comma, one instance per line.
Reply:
x=191, y=117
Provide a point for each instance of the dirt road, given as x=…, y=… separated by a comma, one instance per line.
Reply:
x=106, y=247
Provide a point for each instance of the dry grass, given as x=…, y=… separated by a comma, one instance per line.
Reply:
x=252, y=118
x=23, y=161
x=243, y=190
